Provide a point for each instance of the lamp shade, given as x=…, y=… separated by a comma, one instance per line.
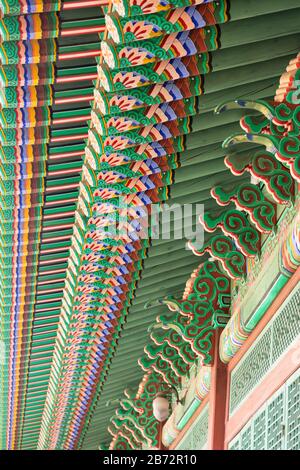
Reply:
x=161, y=408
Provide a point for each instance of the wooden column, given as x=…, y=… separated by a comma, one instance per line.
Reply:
x=217, y=401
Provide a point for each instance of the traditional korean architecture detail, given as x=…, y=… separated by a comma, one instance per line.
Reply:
x=134, y=425
x=202, y=309
x=179, y=366
x=14, y=7
x=279, y=118
x=197, y=391
x=235, y=224
x=277, y=130
x=249, y=197
x=108, y=111
x=277, y=175
x=168, y=338
x=169, y=354
x=238, y=330
x=223, y=249
x=24, y=125
x=266, y=168
x=290, y=250
x=178, y=18
x=145, y=94
x=36, y=208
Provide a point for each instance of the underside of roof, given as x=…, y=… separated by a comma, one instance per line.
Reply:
x=39, y=196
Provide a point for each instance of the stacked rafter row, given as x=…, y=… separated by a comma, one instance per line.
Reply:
x=35, y=216
x=26, y=40
x=146, y=93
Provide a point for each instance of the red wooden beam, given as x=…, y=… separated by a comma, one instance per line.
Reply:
x=217, y=402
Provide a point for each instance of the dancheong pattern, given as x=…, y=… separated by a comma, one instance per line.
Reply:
x=150, y=74
x=147, y=81
x=250, y=210
x=34, y=224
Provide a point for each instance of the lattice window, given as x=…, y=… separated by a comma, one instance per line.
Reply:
x=235, y=444
x=246, y=438
x=186, y=443
x=250, y=371
x=280, y=333
x=196, y=437
x=200, y=430
x=286, y=326
x=276, y=425
x=293, y=415
x=259, y=431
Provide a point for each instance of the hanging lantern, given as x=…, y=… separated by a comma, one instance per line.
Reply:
x=161, y=407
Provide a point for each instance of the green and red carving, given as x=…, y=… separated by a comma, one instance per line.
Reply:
x=162, y=367
x=159, y=72
x=265, y=167
x=250, y=198
x=234, y=224
x=133, y=120
x=284, y=148
x=168, y=354
x=140, y=97
x=204, y=306
x=223, y=249
x=159, y=336
x=277, y=128
x=135, y=413
x=139, y=28
x=156, y=49
x=128, y=8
